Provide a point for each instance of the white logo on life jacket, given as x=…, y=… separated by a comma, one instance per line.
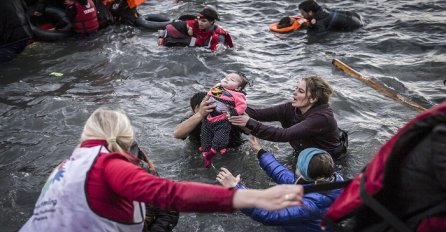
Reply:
x=89, y=11
x=88, y=5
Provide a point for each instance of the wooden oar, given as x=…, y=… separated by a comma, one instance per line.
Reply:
x=386, y=91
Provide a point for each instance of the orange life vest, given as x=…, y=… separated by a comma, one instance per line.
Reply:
x=298, y=22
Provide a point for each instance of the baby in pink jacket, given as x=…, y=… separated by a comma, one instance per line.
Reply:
x=230, y=100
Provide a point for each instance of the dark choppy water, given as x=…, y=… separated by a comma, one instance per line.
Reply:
x=402, y=46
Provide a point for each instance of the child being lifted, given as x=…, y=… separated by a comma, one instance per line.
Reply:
x=230, y=100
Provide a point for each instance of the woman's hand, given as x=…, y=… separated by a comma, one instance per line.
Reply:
x=274, y=198
x=226, y=178
x=254, y=143
x=206, y=106
x=240, y=120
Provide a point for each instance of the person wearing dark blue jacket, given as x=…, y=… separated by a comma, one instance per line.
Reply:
x=314, y=166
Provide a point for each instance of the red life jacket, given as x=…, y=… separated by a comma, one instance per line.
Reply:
x=86, y=20
x=367, y=185
x=209, y=38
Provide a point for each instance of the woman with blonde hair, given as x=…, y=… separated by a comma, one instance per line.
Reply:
x=99, y=187
x=307, y=121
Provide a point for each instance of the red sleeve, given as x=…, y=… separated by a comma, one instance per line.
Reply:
x=132, y=182
x=240, y=102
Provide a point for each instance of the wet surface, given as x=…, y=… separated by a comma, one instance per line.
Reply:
x=41, y=116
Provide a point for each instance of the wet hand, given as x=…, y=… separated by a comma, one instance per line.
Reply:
x=280, y=196
x=240, y=120
x=206, y=106
x=254, y=143
x=226, y=178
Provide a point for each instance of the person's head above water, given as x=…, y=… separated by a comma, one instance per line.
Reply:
x=112, y=126
x=308, y=8
x=234, y=81
x=311, y=91
x=206, y=17
x=196, y=99
x=314, y=164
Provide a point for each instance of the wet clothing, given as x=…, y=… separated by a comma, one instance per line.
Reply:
x=316, y=128
x=296, y=218
x=113, y=183
x=83, y=17
x=14, y=27
x=175, y=36
x=235, y=137
x=334, y=21
x=406, y=176
x=216, y=127
x=104, y=15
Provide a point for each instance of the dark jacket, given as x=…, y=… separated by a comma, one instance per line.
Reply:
x=419, y=184
x=334, y=21
x=14, y=23
x=404, y=182
x=296, y=218
x=316, y=128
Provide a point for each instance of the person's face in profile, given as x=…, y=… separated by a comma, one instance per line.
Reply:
x=301, y=98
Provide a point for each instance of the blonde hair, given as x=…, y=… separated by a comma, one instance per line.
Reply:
x=112, y=126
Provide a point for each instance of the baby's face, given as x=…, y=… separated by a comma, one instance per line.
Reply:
x=231, y=81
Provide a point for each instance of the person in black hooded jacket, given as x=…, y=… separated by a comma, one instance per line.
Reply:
x=322, y=20
x=14, y=27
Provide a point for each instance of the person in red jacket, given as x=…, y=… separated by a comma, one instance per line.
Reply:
x=83, y=15
x=205, y=33
x=101, y=188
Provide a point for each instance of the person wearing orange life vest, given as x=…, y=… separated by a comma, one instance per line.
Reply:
x=83, y=16
x=205, y=33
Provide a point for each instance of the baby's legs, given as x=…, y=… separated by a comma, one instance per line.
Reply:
x=221, y=134
x=206, y=135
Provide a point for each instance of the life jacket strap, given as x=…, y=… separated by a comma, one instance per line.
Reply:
x=311, y=188
x=379, y=209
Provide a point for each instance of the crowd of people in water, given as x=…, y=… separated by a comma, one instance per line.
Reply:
x=109, y=184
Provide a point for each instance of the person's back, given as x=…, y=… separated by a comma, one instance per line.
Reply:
x=403, y=187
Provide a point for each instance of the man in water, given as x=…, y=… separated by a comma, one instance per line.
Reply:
x=321, y=20
x=191, y=127
x=200, y=31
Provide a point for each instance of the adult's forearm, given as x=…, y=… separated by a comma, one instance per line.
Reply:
x=183, y=129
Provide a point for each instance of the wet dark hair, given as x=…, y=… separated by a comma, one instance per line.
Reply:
x=245, y=81
x=196, y=99
x=284, y=22
x=309, y=5
x=319, y=89
x=321, y=166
